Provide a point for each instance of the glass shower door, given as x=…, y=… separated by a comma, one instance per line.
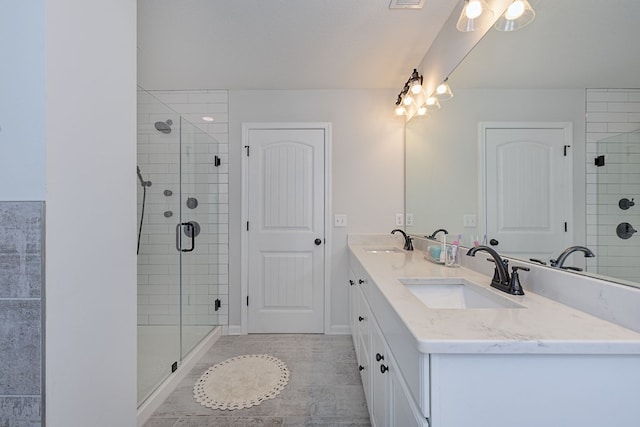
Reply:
x=158, y=152
x=197, y=235
x=182, y=257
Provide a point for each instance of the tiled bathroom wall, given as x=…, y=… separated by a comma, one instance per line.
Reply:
x=612, y=112
x=205, y=270
x=21, y=313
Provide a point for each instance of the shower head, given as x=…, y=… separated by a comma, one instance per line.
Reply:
x=142, y=181
x=164, y=127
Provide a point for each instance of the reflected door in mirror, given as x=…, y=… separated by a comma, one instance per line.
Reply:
x=528, y=192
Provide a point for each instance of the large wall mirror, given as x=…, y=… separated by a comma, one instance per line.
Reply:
x=511, y=156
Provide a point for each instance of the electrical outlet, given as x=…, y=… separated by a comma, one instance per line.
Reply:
x=340, y=220
x=469, y=220
x=399, y=219
x=408, y=220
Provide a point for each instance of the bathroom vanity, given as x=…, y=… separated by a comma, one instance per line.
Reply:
x=439, y=347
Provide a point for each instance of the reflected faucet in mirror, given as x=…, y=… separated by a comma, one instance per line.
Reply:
x=408, y=244
x=559, y=262
x=433, y=235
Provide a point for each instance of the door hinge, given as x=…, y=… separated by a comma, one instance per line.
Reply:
x=599, y=161
x=565, y=226
x=565, y=149
x=217, y=304
x=247, y=300
x=216, y=161
x=174, y=366
x=247, y=225
x=247, y=147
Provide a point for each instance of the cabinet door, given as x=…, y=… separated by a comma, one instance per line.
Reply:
x=364, y=365
x=353, y=310
x=404, y=414
x=380, y=380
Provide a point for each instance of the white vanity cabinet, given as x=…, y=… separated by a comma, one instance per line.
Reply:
x=541, y=364
x=388, y=398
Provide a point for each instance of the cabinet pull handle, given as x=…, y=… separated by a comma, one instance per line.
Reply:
x=379, y=357
x=383, y=368
x=361, y=281
x=360, y=368
x=360, y=318
x=351, y=282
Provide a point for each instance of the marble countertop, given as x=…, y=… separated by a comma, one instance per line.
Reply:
x=543, y=326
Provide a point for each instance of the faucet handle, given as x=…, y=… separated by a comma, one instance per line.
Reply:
x=515, y=288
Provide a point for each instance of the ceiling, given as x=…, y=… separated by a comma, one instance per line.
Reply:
x=571, y=44
x=283, y=44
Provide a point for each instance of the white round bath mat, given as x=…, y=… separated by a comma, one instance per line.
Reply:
x=241, y=382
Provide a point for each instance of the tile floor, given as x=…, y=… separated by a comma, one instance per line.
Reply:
x=324, y=387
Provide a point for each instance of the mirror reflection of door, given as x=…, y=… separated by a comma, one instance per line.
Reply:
x=527, y=187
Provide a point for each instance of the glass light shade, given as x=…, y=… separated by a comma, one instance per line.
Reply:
x=475, y=14
x=422, y=111
x=519, y=14
x=407, y=100
x=432, y=104
x=399, y=111
x=416, y=87
x=443, y=92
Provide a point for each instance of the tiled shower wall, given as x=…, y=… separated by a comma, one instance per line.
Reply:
x=206, y=268
x=21, y=313
x=611, y=112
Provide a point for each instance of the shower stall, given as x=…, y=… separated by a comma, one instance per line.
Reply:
x=182, y=240
x=617, y=213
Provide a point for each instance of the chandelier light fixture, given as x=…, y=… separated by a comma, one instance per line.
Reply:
x=413, y=101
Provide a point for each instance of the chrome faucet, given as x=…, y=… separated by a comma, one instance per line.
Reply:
x=559, y=262
x=501, y=278
x=408, y=244
x=433, y=235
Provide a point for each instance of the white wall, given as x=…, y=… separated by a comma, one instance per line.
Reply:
x=367, y=170
x=22, y=100
x=91, y=213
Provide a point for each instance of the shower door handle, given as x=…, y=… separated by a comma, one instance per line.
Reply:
x=192, y=234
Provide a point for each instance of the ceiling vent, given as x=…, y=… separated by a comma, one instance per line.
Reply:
x=406, y=4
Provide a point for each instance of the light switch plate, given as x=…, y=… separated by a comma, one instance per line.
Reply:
x=399, y=219
x=340, y=220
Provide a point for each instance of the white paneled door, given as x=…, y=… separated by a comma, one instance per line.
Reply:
x=528, y=189
x=286, y=236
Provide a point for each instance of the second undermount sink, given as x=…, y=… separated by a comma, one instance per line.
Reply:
x=455, y=294
x=389, y=250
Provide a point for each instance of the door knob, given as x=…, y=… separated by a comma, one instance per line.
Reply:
x=318, y=242
x=493, y=242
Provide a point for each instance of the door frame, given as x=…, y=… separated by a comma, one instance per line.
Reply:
x=244, y=240
x=567, y=127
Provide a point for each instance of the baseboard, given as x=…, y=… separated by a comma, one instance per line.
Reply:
x=232, y=330
x=339, y=330
x=156, y=399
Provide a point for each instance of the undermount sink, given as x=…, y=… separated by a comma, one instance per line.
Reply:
x=455, y=294
x=389, y=250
